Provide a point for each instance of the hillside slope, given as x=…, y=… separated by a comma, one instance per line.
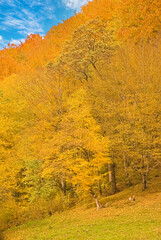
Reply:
x=121, y=220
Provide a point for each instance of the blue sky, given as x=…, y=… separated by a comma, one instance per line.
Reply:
x=19, y=18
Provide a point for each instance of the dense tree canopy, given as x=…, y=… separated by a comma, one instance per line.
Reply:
x=81, y=109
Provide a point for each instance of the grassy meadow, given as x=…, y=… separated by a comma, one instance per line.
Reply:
x=121, y=220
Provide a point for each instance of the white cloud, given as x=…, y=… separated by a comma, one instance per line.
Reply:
x=28, y=19
x=10, y=3
x=75, y=4
x=3, y=42
x=24, y=17
x=24, y=22
x=17, y=41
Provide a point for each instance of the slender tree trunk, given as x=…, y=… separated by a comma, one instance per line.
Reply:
x=72, y=191
x=125, y=165
x=97, y=203
x=144, y=181
x=99, y=187
x=95, y=198
x=109, y=174
x=129, y=183
x=63, y=186
x=113, y=177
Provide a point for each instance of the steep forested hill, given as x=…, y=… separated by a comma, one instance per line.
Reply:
x=80, y=110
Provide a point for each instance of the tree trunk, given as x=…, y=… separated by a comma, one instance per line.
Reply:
x=113, y=177
x=125, y=166
x=109, y=174
x=95, y=198
x=129, y=183
x=63, y=186
x=144, y=181
x=72, y=191
x=97, y=203
x=99, y=187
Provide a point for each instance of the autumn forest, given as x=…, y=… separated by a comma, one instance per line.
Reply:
x=80, y=110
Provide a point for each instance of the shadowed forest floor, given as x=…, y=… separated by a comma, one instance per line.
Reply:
x=122, y=220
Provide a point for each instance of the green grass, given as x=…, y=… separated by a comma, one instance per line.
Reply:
x=122, y=220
